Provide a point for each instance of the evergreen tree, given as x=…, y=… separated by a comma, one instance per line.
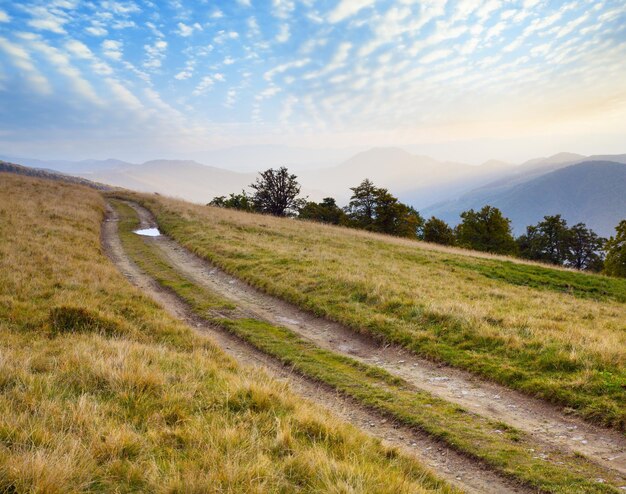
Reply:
x=615, y=262
x=487, y=230
x=438, y=231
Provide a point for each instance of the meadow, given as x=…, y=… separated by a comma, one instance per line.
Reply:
x=102, y=391
x=552, y=333
x=509, y=451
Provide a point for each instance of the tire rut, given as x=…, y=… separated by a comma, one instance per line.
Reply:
x=467, y=474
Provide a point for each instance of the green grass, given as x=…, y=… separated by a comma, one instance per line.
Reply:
x=582, y=285
x=506, y=449
x=102, y=391
x=555, y=334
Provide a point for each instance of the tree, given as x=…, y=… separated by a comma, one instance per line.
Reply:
x=615, y=262
x=395, y=218
x=362, y=204
x=276, y=193
x=326, y=211
x=585, y=248
x=487, y=230
x=242, y=201
x=547, y=241
x=438, y=231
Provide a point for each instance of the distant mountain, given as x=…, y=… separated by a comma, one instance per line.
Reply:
x=417, y=180
x=69, y=167
x=591, y=192
x=6, y=167
x=178, y=178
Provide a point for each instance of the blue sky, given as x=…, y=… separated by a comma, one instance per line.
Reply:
x=115, y=78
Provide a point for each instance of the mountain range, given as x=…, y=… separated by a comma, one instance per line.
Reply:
x=581, y=188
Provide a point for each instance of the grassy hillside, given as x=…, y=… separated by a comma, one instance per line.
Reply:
x=552, y=333
x=103, y=391
x=507, y=450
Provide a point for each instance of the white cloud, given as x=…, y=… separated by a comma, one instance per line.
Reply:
x=97, y=29
x=22, y=60
x=182, y=75
x=269, y=75
x=223, y=36
x=217, y=14
x=62, y=63
x=282, y=8
x=155, y=54
x=231, y=98
x=45, y=19
x=79, y=49
x=82, y=51
x=268, y=93
x=253, y=27
x=283, y=33
x=123, y=94
x=433, y=56
x=347, y=8
x=186, y=30
x=4, y=17
x=244, y=3
x=205, y=84
x=112, y=49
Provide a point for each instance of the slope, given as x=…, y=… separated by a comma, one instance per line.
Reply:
x=551, y=333
x=104, y=391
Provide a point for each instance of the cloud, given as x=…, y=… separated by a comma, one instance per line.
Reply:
x=223, y=36
x=155, y=54
x=244, y=3
x=44, y=19
x=123, y=95
x=96, y=29
x=79, y=49
x=282, y=8
x=182, y=75
x=347, y=8
x=283, y=33
x=231, y=98
x=205, y=84
x=296, y=64
x=112, y=49
x=22, y=60
x=185, y=30
x=4, y=17
x=268, y=93
x=435, y=55
x=61, y=62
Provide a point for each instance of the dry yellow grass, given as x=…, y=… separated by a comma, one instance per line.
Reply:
x=103, y=391
x=563, y=337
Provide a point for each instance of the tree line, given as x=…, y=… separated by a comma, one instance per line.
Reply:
x=372, y=208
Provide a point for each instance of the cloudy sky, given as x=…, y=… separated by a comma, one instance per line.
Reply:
x=143, y=79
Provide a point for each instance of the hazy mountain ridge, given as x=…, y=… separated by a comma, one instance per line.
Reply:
x=440, y=188
x=591, y=192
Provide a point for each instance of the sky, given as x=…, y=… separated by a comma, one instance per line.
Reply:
x=141, y=79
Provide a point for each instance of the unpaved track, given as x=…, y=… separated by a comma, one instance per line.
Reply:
x=465, y=473
x=541, y=420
